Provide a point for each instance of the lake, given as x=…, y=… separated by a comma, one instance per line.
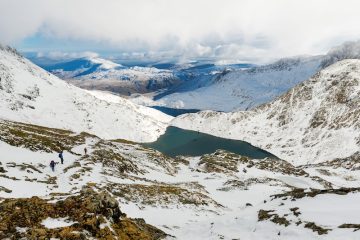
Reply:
x=174, y=111
x=177, y=141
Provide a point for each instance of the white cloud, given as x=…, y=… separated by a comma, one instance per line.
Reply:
x=56, y=55
x=236, y=29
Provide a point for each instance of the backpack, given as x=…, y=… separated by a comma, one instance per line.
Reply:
x=60, y=155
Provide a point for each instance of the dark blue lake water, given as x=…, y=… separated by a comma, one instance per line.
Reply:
x=177, y=141
x=175, y=111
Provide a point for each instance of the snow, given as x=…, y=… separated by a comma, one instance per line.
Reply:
x=57, y=222
x=232, y=219
x=284, y=126
x=226, y=216
x=317, y=209
x=129, y=74
x=245, y=89
x=147, y=111
x=41, y=161
x=32, y=95
x=144, y=99
x=21, y=229
x=104, y=64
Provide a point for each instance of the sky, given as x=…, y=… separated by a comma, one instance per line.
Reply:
x=224, y=30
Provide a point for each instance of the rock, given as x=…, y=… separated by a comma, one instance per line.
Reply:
x=275, y=218
x=349, y=225
x=316, y=228
x=88, y=210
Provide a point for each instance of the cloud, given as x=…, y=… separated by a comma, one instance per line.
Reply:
x=57, y=55
x=236, y=29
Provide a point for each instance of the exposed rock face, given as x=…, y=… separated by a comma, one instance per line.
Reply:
x=301, y=193
x=226, y=162
x=318, y=120
x=125, y=87
x=94, y=215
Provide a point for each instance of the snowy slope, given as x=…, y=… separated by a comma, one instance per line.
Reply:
x=102, y=74
x=81, y=66
x=244, y=89
x=31, y=95
x=97, y=68
x=130, y=74
x=214, y=196
x=315, y=121
x=126, y=81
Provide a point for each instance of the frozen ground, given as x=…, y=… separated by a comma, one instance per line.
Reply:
x=215, y=196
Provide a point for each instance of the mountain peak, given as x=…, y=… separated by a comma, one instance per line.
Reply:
x=348, y=50
x=315, y=121
x=104, y=63
x=9, y=49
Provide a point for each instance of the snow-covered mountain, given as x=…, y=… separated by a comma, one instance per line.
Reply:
x=80, y=67
x=348, y=50
x=96, y=73
x=244, y=89
x=315, y=127
x=197, y=75
x=127, y=81
x=31, y=95
x=317, y=120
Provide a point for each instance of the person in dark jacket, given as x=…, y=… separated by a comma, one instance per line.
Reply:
x=61, y=157
x=52, y=165
x=85, y=151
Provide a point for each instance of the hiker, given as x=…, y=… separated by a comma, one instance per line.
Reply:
x=61, y=157
x=85, y=150
x=52, y=165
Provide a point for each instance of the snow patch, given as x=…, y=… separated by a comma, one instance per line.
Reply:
x=57, y=222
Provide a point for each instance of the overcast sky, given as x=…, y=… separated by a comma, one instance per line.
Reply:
x=227, y=30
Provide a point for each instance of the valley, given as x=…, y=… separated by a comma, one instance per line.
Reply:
x=285, y=169
x=179, y=120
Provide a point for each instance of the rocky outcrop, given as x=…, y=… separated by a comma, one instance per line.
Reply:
x=93, y=214
x=38, y=138
x=226, y=162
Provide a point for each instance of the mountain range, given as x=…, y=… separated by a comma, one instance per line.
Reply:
x=119, y=188
x=160, y=79
x=244, y=89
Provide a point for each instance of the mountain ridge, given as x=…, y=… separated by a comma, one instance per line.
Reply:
x=315, y=121
x=32, y=95
x=247, y=88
